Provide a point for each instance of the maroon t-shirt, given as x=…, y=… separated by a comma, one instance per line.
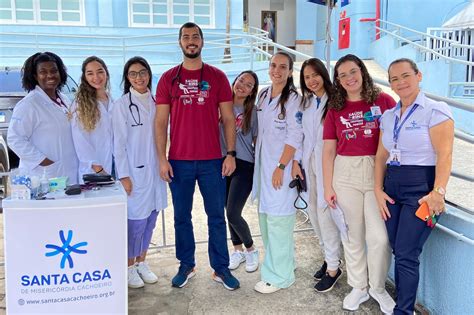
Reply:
x=194, y=110
x=355, y=128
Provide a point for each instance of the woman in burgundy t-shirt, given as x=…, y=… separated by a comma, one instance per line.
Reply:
x=351, y=134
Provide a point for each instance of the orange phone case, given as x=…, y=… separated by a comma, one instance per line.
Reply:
x=423, y=212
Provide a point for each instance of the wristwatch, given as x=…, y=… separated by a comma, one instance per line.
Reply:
x=281, y=166
x=232, y=153
x=440, y=190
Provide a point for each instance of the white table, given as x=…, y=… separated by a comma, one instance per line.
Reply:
x=67, y=255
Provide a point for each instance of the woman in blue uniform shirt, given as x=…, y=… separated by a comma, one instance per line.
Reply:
x=412, y=166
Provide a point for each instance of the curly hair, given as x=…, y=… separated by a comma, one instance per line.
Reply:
x=88, y=113
x=317, y=66
x=369, y=92
x=30, y=66
x=125, y=81
x=249, y=101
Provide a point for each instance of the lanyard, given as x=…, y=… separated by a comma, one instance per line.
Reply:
x=396, y=128
x=318, y=102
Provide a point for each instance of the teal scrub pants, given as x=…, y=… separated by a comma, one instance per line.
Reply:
x=278, y=266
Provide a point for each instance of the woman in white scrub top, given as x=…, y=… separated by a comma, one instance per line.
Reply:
x=137, y=166
x=92, y=119
x=317, y=90
x=279, y=136
x=40, y=129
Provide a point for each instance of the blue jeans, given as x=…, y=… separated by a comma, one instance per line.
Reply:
x=406, y=232
x=208, y=174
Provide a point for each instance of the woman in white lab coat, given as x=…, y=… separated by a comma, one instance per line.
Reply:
x=137, y=165
x=316, y=87
x=40, y=129
x=92, y=119
x=279, y=135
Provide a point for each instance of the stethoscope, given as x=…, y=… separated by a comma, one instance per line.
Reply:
x=177, y=79
x=137, y=110
x=261, y=99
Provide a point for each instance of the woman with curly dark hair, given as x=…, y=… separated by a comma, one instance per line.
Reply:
x=351, y=134
x=92, y=119
x=40, y=129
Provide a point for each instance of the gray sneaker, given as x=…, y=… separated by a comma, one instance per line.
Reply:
x=236, y=258
x=251, y=260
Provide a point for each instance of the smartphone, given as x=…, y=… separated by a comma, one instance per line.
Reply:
x=423, y=212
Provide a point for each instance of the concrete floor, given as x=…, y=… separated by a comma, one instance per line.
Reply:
x=202, y=295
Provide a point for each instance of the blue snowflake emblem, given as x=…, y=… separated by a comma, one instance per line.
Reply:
x=66, y=249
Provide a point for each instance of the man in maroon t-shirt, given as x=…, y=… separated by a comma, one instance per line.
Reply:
x=191, y=96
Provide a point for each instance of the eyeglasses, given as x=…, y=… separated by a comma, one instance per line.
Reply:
x=247, y=85
x=345, y=76
x=404, y=76
x=142, y=73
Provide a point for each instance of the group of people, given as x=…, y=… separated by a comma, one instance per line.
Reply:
x=362, y=152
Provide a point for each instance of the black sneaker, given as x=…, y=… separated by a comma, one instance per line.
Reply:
x=321, y=272
x=327, y=282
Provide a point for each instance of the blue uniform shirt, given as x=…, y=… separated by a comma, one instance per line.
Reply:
x=414, y=140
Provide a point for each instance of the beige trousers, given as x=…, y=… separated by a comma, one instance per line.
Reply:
x=367, y=251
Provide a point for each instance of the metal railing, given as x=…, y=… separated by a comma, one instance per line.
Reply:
x=439, y=44
x=254, y=46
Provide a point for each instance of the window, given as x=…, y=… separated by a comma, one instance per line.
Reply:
x=170, y=13
x=66, y=12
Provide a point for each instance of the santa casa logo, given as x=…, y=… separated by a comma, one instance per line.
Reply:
x=66, y=249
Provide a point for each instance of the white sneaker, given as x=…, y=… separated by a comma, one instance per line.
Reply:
x=387, y=304
x=265, y=288
x=134, y=280
x=145, y=273
x=236, y=258
x=354, y=299
x=251, y=260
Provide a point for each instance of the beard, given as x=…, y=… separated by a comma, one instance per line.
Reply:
x=193, y=55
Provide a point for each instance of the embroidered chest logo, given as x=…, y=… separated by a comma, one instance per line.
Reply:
x=299, y=117
x=413, y=126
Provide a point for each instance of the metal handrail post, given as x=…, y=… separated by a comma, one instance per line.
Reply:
x=163, y=226
x=123, y=50
x=252, y=53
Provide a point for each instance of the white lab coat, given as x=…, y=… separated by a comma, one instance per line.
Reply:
x=41, y=129
x=273, y=134
x=313, y=142
x=135, y=155
x=94, y=147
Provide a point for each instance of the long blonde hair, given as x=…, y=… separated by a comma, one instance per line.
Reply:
x=88, y=113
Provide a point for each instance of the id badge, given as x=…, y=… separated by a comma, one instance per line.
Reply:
x=376, y=111
x=395, y=157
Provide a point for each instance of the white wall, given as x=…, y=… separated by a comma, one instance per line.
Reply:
x=286, y=19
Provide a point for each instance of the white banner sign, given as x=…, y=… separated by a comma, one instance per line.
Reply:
x=66, y=259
